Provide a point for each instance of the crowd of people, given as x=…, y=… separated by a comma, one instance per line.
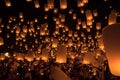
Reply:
x=11, y=69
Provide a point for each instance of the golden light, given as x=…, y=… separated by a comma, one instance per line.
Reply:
x=111, y=40
x=8, y=3
x=63, y=4
x=36, y=3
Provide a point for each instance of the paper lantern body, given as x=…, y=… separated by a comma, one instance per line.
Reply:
x=111, y=40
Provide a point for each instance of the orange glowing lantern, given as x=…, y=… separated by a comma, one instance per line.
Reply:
x=1, y=41
x=111, y=40
x=63, y=4
x=61, y=54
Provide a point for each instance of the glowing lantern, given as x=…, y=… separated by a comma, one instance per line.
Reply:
x=74, y=16
x=84, y=26
x=1, y=41
x=89, y=22
x=80, y=3
x=36, y=3
x=45, y=55
x=112, y=18
x=29, y=56
x=61, y=54
x=89, y=15
x=111, y=40
x=20, y=15
x=88, y=58
x=70, y=42
x=51, y=4
x=70, y=33
x=37, y=57
x=54, y=43
x=100, y=43
x=25, y=29
x=98, y=26
x=19, y=56
x=23, y=35
x=95, y=13
x=63, y=4
x=2, y=56
x=8, y=3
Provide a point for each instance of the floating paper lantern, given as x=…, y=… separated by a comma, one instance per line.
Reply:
x=45, y=54
x=63, y=4
x=89, y=15
x=7, y=3
x=36, y=3
x=100, y=43
x=112, y=18
x=19, y=56
x=51, y=4
x=29, y=56
x=1, y=41
x=54, y=43
x=88, y=58
x=61, y=54
x=111, y=40
x=2, y=56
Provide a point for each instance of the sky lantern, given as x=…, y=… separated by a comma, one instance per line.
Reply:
x=89, y=15
x=80, y=3
x=112, y=18
x=111, y=40
x=45, y=54
x=63, y=4
x=19, y=56
x=88, y=58
x=61, y=54
x=54, y=43
x=7, y=3
x=29, y=56
x=1, y=41
x=36, y=3
x=2, y=56
x=50, y=4
x=100, y=43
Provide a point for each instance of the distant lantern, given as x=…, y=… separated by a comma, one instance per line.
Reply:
x=19, y=56
x=100, y=43
x=29, y=56
x=112, y=18
x=84, y=26
x=80, y=3
x=54, y=43
x=7, y=3
x=51, y=4
x=2, y=56
x=88, y=58
x=36, y=3
x=89, y=15
x=61, y=54
x=98, y=26
x=95, y=13
x=70, y=42
x=1, y=41
x=111, y=40
x=45, y=54
x=70, y=33
x=63, y=4
x=21, y=15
